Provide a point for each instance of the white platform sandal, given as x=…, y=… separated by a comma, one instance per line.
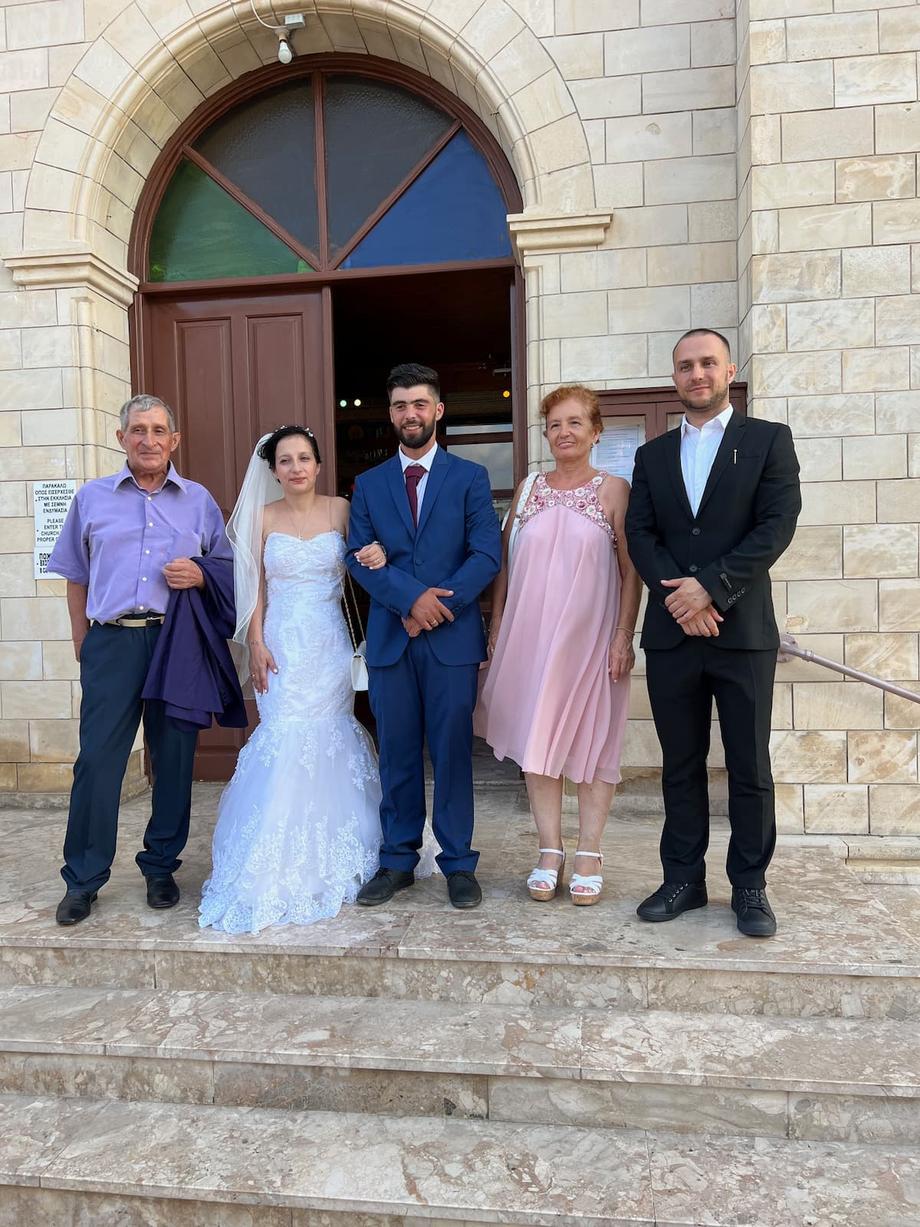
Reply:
x=590, y=883
x=543, y=883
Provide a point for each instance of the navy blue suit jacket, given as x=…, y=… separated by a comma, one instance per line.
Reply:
x=457, y=545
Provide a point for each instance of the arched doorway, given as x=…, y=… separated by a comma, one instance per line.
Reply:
x=303, y=232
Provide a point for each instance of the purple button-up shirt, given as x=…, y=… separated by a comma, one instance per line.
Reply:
x=118, y=537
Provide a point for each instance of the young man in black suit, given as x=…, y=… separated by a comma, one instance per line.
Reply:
x=714, y=503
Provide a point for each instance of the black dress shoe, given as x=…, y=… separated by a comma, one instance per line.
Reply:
x=463, y=889
x=671, y=899
x=75, y=906
x=383, y=886
x=752, y=907
x=162, y=890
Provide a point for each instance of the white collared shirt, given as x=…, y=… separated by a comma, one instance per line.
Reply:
x=698, y=447
x=426, y=462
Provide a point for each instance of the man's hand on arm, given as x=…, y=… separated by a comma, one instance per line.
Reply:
x=428, y=611
x=688, y=598
x=183, y=573
x=705, y=623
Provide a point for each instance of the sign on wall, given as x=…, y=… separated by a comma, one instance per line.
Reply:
x=50, y=503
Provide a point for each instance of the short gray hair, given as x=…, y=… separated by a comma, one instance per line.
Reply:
x=142, y=403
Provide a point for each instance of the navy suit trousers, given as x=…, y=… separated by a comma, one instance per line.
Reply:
x=415, y=699
x=113, y=666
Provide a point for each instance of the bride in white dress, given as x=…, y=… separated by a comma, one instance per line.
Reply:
x=298, y=826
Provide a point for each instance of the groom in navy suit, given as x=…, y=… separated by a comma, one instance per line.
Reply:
x=432, y=512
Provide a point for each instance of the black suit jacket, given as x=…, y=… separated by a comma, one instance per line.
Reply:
x=745, y=521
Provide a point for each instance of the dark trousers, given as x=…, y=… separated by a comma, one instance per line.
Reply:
x=113, y=666
x=682, y=683
x=415, y=699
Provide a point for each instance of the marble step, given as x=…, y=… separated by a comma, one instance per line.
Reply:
x=374, y=1170
x=831, y=1079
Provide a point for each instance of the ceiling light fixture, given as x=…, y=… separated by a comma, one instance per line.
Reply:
x=291, y=22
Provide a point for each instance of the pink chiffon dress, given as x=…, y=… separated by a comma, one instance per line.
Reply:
x=548, y=701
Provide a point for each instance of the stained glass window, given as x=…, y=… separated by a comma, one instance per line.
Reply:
x=255, y=197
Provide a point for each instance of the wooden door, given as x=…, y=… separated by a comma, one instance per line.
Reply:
x=233, y=368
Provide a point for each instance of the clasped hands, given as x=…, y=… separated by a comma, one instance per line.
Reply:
x=428, y=612
x=691, y=607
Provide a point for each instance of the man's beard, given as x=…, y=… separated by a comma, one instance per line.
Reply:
x=419, y=439
x=719, y=397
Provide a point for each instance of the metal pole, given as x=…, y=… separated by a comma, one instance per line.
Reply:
x=789, y=647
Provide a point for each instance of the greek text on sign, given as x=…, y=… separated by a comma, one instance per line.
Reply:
x=50, y=503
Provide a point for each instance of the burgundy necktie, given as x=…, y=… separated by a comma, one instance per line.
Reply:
x=414, y=474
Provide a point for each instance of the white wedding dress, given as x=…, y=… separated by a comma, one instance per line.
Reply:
x=298, y=826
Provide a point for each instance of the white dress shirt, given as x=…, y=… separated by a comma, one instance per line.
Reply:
x=698, y=449
x=426, y=462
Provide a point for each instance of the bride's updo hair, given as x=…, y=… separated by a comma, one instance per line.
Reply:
x=270, y=446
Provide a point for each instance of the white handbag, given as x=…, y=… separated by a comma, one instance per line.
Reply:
x=518, y=512
x=359, y=678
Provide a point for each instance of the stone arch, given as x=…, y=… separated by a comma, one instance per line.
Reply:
x=155, y=63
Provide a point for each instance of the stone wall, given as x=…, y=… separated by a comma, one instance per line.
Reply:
x=680, y=164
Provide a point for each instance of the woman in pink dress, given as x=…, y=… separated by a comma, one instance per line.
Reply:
x=564, y=612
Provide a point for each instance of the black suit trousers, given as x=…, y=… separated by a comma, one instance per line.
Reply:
x=682, y=683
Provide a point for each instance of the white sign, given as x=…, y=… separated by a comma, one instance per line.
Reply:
x=50, y=503
x=616, y=449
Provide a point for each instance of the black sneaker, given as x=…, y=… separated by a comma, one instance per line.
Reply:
x=671, y=899
x=752, y=907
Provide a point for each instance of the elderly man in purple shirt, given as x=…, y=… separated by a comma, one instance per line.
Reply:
x=128, y=540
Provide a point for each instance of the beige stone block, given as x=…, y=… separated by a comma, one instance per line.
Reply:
x=790, y=817
x=768, y=42
x=679, y=180
x=714, y=131
x=44, y=777
x=29, y=109
x=642, y=137
x=44, y=23
x=17, y=150
x=649, y=49
x=12, y=498
x=692, y=263
x=16, y=575
x=21, y=661
x=27, y=308
x=896, y=221
x=876, y=271
x=665, y=12
x=641, y=747
x=897, y=128
x=30, y=619
x=607, y=96
x=883, y=456
x=10, y=349
x=716, y=303
x=882, y=758
x=543, y=101
x=14, y=741
x=619, y=185
x=59, y=662
x=651, y=309
x=899, y=501
x=819, y=460
x=830, y=226
x=838, y=502
x=885, y=655
x=788, y=185
x=104, y=69
x=63, y=60
x=836, y=809
x=688, y=88
x=24, y=70
x=822, y=134
x=768, y=328
x=874, y=79
x=898, y=320
x=604, y=358
x=816, y=552
x=877, y=178
x=831, y=323
x=47, y=347
x=831, y=415
x=796, y=374
x=793, y=669
x=804, y=757
x=648, y=227
x=602, y=270
x=840, y=34
x=779, y=88
x=712, y=221
x=791, y=278
x=902, y=713
x=833, y=605
x=781, y=717
x=894, y=809
x=32, y=464
x=766, y=139
x=899, y=604
x=54, y=741
x=581, y=16
x=559, y=145
x=899, y=29
x=577, y=56
x=575, y=315
x=876, y=550
x=35, y=700
x=17, y=535
x=50, y=427
x=913, y=455
x=836, y=705
x=876, y=370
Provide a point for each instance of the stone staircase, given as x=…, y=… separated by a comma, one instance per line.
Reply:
x=530, y=1064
